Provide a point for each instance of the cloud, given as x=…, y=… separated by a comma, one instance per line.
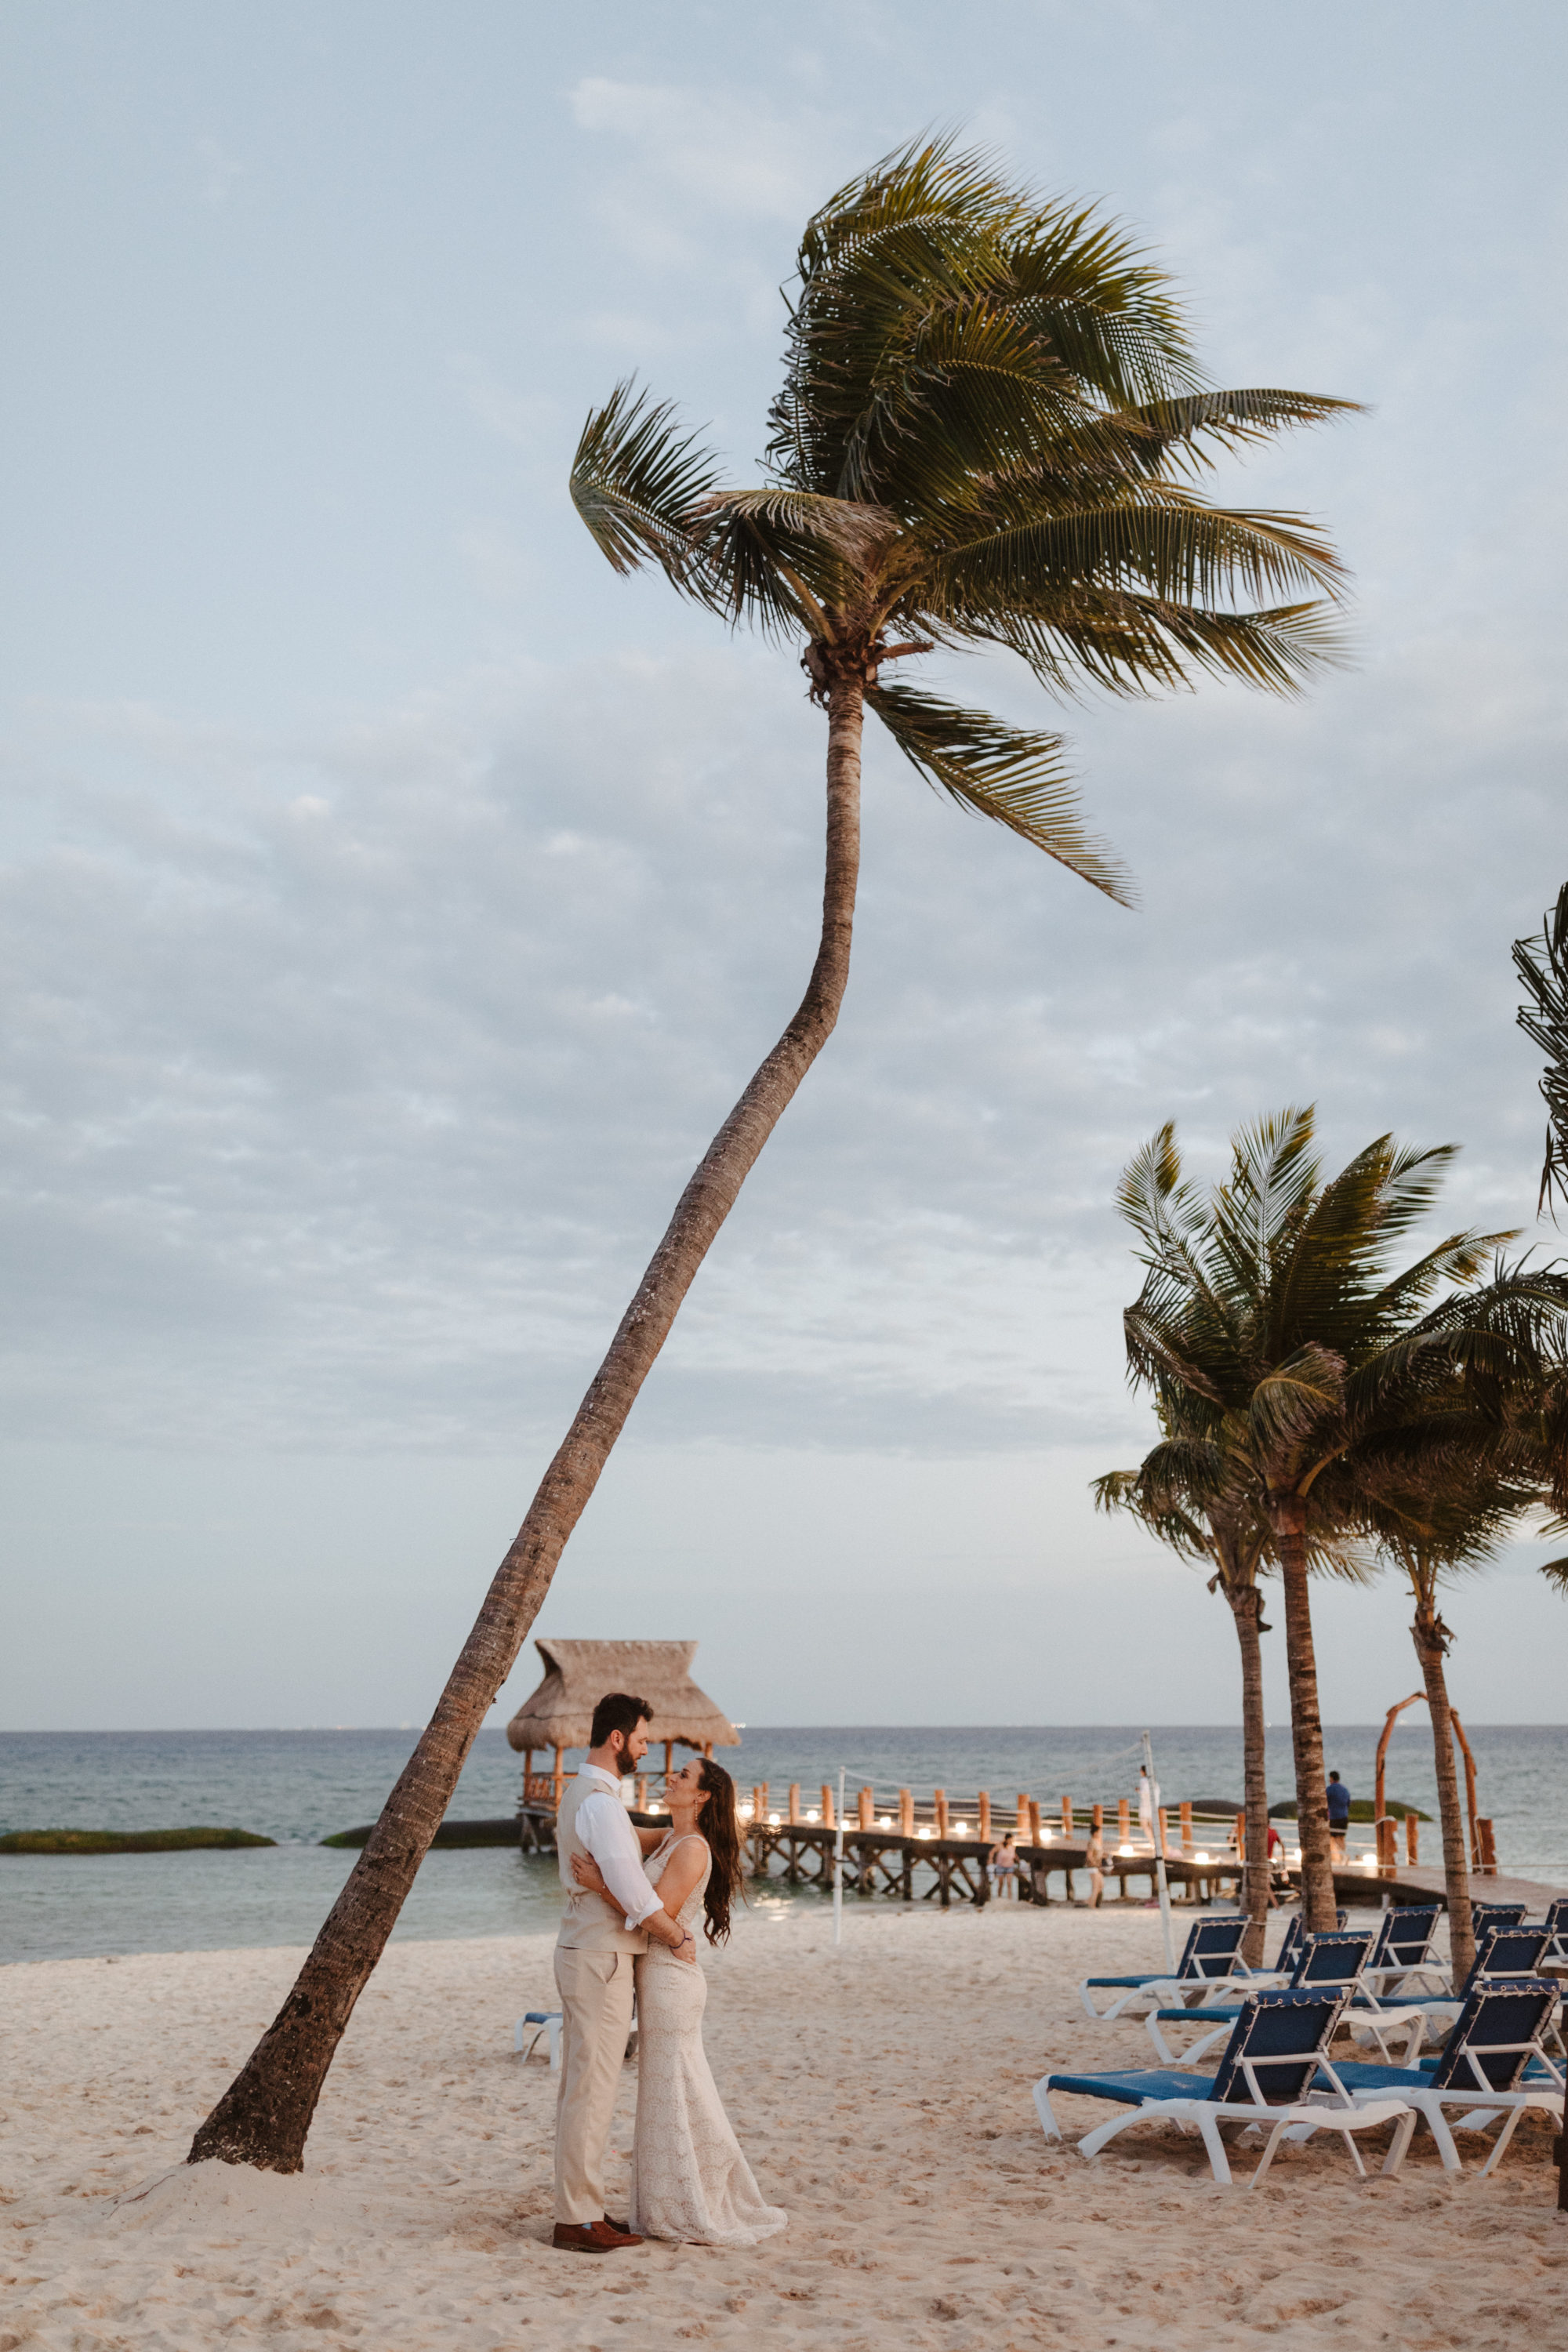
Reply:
x=349, y=1080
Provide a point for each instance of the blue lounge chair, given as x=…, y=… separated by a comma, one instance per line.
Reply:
x=1485, y=1916
x=1281, y=1971
x=543, y=2020
x=1556, y=1925
x=1403, y=1950
x=1494, y=2065
x=1503, y=1952
x=1266, y=2075
x=1212, y=1952
x=1323, y=1964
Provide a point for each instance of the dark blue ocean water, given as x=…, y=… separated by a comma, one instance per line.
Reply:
x=299, y=1786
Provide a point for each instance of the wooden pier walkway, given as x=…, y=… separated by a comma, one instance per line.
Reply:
x=917, y=1861
x=884, y=1861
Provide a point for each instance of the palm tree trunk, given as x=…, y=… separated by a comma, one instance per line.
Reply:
x=1244, y=1603
x=1429, y=1645
x=1287, y=1518
x=265, y=2114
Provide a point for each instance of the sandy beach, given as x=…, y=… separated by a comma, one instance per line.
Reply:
x=882, y=2092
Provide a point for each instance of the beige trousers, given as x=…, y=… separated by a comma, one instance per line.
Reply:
x=595, y=1988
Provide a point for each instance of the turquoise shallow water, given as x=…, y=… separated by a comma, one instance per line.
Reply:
x=299, y=1786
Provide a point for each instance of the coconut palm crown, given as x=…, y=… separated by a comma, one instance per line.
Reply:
x=988, y=436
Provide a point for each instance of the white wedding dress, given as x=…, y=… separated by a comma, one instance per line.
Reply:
x=690, y=2180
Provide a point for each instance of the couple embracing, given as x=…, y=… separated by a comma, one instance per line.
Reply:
x=634, y=1899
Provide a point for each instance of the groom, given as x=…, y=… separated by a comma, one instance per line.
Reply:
x=593, y=1955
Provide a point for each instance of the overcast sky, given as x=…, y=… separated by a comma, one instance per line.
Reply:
x=395, y=901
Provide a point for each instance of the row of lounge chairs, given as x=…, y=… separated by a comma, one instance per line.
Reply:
x=1277, y=2024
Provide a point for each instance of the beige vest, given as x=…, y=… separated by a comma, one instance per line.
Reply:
x=589, y=1923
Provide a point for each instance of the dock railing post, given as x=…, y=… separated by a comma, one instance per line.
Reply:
x=1159, y=1826
x=1411, y=1838
x=829, y=1813
x=982, y=1807
x=906, y=1813
x=838, y=1865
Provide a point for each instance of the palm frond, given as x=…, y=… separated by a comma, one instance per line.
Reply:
x=1543, y=965
x=639, y=486
x=1002, y=772
x=1178, y=429
x=1157, y=540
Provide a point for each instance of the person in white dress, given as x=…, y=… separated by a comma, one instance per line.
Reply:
x=690, y=2181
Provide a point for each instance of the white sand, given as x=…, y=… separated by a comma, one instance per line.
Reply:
x=882, y=2093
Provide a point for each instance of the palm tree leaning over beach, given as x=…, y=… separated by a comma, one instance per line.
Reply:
x=988, y=434
x=1271, y=1321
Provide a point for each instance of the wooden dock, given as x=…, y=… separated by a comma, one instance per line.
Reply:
x=1404, y=1884
x=884, y=1861
x=912, y=1853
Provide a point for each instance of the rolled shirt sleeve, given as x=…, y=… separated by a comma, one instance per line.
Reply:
x=602, y=1826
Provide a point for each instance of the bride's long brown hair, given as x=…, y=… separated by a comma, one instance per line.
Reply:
x=719, y=1823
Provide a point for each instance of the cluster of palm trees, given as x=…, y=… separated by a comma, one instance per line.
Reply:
x=1322, y=1408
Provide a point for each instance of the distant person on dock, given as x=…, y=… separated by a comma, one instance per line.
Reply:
x=1278, y=1881
x=1094, y=1862
x=1339, y=1799
x=1004, y=1870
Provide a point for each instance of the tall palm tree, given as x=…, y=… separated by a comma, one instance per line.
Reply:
x=1456, y=1524
x=989, y=427
x=1190, y=1508
x=1194, y=1496
x=1272, y=1321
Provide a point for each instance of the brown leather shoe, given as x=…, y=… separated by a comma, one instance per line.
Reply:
x=592, y=2237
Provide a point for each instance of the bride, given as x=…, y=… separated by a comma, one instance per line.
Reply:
x=690, y=2180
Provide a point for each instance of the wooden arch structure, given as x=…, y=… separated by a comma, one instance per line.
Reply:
x=1393, y=1714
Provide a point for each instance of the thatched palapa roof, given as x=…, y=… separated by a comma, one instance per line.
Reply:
x=577, y=1675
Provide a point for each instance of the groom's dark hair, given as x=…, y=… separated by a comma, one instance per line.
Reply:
x=618, y=1711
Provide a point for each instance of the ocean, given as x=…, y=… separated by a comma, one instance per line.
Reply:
x=300, y=1786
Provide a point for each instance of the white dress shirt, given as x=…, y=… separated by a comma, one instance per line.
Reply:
x=605, y=1830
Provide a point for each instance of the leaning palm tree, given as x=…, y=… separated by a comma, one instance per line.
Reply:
x=1194, y=1496
x=1272, y=1321
x=988, y=435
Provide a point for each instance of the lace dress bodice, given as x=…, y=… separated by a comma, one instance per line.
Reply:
x=691, y=1911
